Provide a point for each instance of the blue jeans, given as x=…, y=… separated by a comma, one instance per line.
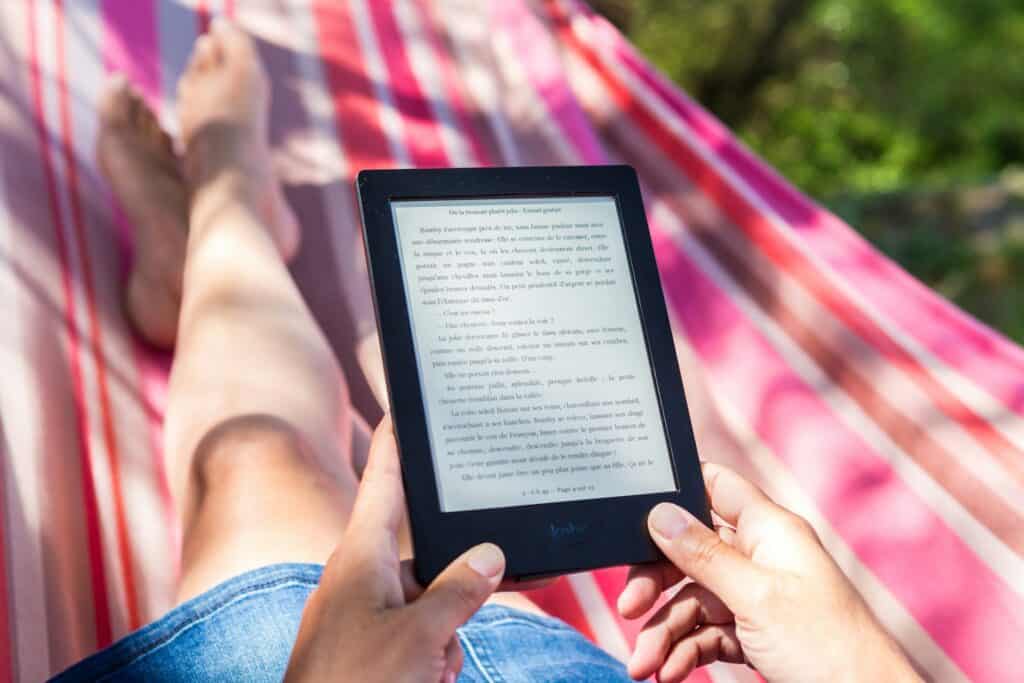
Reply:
x=243, y=630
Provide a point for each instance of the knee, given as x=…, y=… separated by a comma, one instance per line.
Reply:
x=241, y=449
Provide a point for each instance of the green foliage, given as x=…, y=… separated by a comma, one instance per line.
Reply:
x=851, y=95
x=905, y=116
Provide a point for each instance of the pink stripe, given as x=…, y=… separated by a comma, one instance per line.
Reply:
x=6, y=632
x=113, y=452
x=452, y=84
x=860, y=489
x=535, y=48
x=768, y=237
x=131, y=46
x=990, y=360
x=420, y=132
x=610, y=583
x=857, y=489
x=559, y=598
x=100, y=604
x=202, y=16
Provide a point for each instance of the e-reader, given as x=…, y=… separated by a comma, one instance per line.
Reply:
x=534, y=388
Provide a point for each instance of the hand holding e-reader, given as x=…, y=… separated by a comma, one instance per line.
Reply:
x=534, y=387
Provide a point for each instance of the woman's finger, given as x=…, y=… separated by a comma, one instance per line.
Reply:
x=644, y=585
x=703, y=556
x=731, y=495
x=411, y=588
x=453, y=660
x=460, y=590
x=693, y=606
x=370, y=561
x=708, y=644
x=380, y=503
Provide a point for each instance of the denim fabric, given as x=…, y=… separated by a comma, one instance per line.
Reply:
x=243, y=630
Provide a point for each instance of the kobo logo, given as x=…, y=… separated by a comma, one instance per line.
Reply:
x=569, y=531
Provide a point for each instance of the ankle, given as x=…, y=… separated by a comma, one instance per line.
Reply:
x=219, y=149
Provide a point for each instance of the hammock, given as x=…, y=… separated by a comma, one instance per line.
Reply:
x=850, y=392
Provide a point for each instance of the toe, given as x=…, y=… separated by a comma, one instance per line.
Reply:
x=235, y=41
x=116, y=105
x=205, y=54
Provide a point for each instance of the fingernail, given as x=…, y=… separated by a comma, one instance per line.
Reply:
x=626, y=596
x=449, y=677
x=219, y=23
x=487, y=560
x=668, y=520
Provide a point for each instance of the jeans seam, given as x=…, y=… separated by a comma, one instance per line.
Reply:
x=525, y=621
x=478, y=653
x=201, y=617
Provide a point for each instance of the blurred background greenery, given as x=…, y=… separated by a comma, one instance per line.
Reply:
x=905, y=117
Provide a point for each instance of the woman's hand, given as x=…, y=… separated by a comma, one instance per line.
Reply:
x=368, y=620
x=763, y=591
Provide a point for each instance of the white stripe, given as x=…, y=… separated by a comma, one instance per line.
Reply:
x=20, y=419
x=914, y=403
x=153, y=559
x=909, y=398
x=960, y=386
x=783, y=487
x=83, y=66
x=723, y=673
x=528, y=109
x=74, y=635
x=469, y=32
x=376, y=71
x=216, y=8
x=427, y=71
x=328, y=163
x=603, y=624
x=1001, y=559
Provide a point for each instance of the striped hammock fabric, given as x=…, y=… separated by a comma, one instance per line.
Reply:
x=854, y=395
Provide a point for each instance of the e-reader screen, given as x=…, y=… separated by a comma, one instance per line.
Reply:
x=534, y=369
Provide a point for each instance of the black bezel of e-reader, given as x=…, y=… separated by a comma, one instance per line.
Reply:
x=535, y=538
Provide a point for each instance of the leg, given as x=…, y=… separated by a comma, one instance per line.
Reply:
x=257, y=420
x=257, y=431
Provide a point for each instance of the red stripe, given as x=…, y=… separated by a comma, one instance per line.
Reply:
x=560, y=600
x=229, y=9
x=131, y=46
x=356, y=109
x=453, y=86
x=101, y=607
x=95, y=331
x=989, y=359
x=202, y=17
x=840, y=357
x=355, y=103
x=765, y=236
x=6, y=633
x=610, y=583
x=419, y=130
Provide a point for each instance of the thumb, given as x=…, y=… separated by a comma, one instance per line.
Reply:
x=461, y=589
x=370, y=561
x=703, y=556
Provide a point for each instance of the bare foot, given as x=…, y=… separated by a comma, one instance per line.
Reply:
x=223, y=104
x=137, y=158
